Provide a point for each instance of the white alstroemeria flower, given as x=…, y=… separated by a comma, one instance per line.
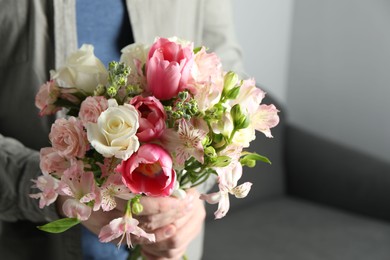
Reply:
x=227, y=185
x=124, y=226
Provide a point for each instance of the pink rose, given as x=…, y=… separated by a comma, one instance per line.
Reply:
x=91, y=108
x=149, y=171
x=69, y=138
x=46, y=97
x=151, y=117
x=52, y=162
x=168, y=68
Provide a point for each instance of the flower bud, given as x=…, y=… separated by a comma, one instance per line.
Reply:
x=233, y=93
x=183, y=95
x=111, y=91
x=137, y=207
x=240, y=120
x=210, y=151
x=99, y=90
x=230, y=81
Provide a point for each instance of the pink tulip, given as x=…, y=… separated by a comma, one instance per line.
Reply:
x=152, y=117
x=168, y=68
x=149, y=171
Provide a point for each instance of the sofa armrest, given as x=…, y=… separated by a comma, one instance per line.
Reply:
x=329, y=173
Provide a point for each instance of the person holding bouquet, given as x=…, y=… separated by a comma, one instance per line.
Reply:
x=36, y=36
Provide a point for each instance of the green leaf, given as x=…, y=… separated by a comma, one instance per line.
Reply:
x=59, y=225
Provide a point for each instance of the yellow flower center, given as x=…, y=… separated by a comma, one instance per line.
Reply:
x=149, y=169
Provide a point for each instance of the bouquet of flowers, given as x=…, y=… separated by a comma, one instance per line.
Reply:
x=164, y=118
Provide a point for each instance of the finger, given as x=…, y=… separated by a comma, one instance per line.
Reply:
x=151, y=223
x=100, y=218
x=174, y=254
x=182, y=237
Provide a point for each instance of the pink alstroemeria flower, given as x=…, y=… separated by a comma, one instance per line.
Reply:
x=186, y=141
x=227, y=185
x=168, y=68
x=249, y=96
x=113, y=187
x=265, y=118
x=208, y=79
x=149, y=171
x=124, y=226
x=48, y=185
x=52, y=162
x=81, y=187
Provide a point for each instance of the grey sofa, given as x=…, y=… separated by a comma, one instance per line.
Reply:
x=317, y=201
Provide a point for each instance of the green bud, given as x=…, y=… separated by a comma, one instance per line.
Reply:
x=248, y=162
x=240, y=120
x=167, y=108
x=210, y=151
x=230, y=81
x=218, y=138
x=206, y=141
x=183, y=95
x=111, y=91
x=122, y=81
x=99, y=90
x=112, y=65
x=137, y=208
x=233, y=93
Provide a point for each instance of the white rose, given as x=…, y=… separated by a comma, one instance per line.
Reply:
x=82, y=70
x=134, y=52
x=114, y=133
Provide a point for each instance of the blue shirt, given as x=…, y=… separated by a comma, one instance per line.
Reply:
x=104, y=24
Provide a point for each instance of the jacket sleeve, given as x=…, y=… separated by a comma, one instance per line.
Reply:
x=18, y=166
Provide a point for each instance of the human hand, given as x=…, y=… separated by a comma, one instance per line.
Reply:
x=173, y=239
x=175, y=222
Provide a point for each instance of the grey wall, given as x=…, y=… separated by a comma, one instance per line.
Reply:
x=263, y=29
x=339, y=72
x=327, y=61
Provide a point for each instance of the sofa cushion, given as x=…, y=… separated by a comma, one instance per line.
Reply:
x=286, y=228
